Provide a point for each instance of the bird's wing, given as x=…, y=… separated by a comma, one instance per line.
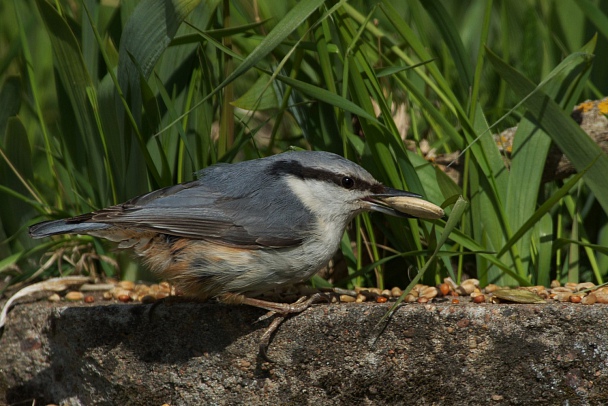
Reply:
x=192, y=210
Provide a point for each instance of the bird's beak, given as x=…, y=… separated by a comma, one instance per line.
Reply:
x=402, y=204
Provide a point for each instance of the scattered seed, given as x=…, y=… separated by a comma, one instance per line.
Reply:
x=396, y=292
x=589, y=299
x=575, y=299
x=563, y=296
x=423, y=299
x=429, y=292
x=347, y=298
x=126, y=285
x=444, y=288
x=450, y=283
x=536, y=289
x=601, y=297
x=54, y=298
x=386, y=293
x=555, y=284
x=561, y=289
x=584, y=285
x=491, y=288
x=360, y=298
x=74, y=296
x=478, y=298
x=124, y=298
x=381, y=299
x=455, y=301
x=544, y=294
x=107, y=295
x=467, y=287
x=516, y=296
x=117, y=292
x=409, y=298
x=141, y=288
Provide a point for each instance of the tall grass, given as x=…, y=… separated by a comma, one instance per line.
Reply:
x=105, y=100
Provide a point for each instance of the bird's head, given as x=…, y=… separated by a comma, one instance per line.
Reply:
x=336, y=189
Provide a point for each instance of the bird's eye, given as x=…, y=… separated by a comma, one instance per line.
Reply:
x=347, y=182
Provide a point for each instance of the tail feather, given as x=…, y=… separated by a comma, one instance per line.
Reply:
x=55, y=227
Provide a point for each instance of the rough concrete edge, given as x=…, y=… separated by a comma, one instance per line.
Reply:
x=189, y=353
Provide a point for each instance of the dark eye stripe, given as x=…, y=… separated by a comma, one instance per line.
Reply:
x=296, y=169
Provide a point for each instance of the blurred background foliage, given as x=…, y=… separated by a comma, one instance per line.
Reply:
x=102, y=100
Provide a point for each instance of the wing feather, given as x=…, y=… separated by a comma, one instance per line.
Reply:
x=200, y=211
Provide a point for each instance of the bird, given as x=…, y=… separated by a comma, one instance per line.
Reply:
x=242, y=229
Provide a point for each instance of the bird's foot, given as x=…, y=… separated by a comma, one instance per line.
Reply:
x=280, y=310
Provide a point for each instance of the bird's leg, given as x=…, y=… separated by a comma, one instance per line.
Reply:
x=281, y=310
x=265, y=339
x=274, y=312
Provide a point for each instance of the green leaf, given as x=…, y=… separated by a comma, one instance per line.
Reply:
x=544, y=231
x=15, y=168
x=595, y=14
x=146, y=35
x=260, y=96
x=571, y=139
x=392, y=70
x=217, y=34
x=326, y=96
x=82, y=143
x=530, y=148
x=544, y=209
x=292, y=20
x=449, y=33
x=10, y=100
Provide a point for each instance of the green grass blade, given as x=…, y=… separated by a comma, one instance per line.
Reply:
x=328, y=97
x=544, y=209
x=595, y=15
x=453, y=220
x=296, y=16
x=146, y=35
x=449, y=33
x=544, y=241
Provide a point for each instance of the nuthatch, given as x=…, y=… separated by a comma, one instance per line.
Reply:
x=243, y=228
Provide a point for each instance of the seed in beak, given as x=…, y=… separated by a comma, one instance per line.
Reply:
x=414, y=207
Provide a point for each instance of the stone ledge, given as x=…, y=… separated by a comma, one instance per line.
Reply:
x=190, y=354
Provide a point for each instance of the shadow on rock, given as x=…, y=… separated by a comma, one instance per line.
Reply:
x=157, y=336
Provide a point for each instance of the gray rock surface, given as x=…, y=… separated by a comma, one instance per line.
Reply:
x=194, y=354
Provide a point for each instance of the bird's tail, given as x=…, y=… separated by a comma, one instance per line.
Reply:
x=55, y=227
